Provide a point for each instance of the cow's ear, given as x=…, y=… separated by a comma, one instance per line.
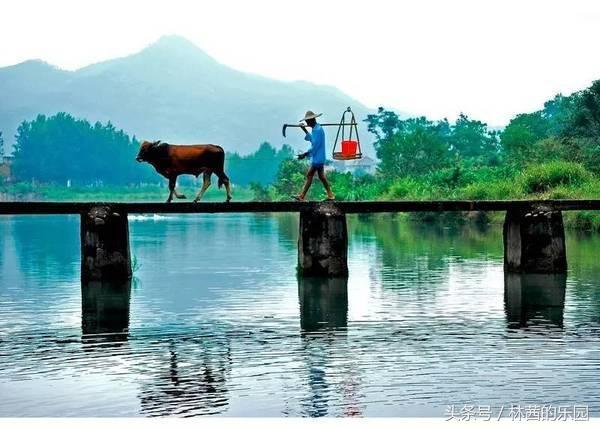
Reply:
x=157, y=142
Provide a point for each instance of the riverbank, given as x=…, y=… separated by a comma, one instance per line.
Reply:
x=551, y=180
x=147, y=193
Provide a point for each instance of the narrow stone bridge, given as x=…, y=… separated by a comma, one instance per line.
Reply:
x=534, y=238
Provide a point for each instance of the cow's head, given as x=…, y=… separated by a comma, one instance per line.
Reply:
x=145, y=151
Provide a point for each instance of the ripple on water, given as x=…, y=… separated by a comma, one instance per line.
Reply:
x=216, y=322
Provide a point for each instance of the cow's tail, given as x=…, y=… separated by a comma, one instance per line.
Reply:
x=222, y=177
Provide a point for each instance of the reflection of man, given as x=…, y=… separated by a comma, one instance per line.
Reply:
x=316, y=154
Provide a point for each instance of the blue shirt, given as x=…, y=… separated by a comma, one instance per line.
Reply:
x=317, y=149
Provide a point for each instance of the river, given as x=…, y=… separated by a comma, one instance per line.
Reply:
x=216, y=322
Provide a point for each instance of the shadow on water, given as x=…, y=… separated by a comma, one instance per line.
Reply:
x=534, y=299
x=323, y=326
x=105, y=311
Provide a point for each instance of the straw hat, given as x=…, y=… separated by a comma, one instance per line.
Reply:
x=310, y=115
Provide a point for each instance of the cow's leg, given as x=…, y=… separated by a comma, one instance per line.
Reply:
x=228, y=189
x=172, y=181
x=205, y=185
x=223, y=179
x=178, y=195
x=172, y=191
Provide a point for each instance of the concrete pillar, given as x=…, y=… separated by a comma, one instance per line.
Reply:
x=323, y=302
x=323, y=242
x=105, y=245
x=534, y=241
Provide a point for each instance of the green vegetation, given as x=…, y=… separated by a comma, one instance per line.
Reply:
x=144, y=192
x=61, y=149
x=259, y=167
x=64, y=151
x=551, y=153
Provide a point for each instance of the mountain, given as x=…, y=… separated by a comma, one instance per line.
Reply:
x=171, y=90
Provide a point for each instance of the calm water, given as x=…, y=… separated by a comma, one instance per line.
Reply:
x=216, y=322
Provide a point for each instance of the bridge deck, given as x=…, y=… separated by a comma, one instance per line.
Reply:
x=293, y=206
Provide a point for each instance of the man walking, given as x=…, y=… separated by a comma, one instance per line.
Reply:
x=316, y=154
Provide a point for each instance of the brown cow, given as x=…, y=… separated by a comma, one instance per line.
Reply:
x=171, y=161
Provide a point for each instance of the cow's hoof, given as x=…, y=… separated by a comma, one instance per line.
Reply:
x=181, y=197
x=228, y=199
x=168, y=201
x=196, y=200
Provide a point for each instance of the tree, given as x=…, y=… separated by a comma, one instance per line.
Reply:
x=1, y=146
x=416, y=147
x=471, y=139
x=581, y=132
x=259, y=167
x=61, y=148
x=384, y=124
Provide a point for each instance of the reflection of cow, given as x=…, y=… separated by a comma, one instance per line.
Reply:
x=171, y=161
x=192, y=382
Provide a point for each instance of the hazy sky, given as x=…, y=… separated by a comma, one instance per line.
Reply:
x=488, y=58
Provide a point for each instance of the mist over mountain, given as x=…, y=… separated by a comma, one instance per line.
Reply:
x=171, y=90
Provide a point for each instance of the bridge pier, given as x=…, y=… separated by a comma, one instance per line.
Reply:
x=534, y=241
x=323, y=242
x=105, y=244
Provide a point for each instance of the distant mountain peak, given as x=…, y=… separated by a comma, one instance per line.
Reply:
x=174, y=41
x=34, y=64
x=175, y=45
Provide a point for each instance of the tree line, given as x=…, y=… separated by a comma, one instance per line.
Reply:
x=417, y=156
x=62, y=148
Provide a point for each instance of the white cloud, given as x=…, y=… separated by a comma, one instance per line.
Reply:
x=490, y=59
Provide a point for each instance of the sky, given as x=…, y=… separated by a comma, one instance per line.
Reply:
x=489, y=59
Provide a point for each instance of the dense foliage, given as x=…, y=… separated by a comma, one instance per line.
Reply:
x=551, y=153
x=61, y=148
x=259, y=167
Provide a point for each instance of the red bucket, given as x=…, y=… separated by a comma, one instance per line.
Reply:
x=349, y=147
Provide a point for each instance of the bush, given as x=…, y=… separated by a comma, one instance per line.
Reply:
x=490, y=190
x=406, y=188
x=543, y=177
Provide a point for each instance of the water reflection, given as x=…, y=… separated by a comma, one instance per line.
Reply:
x=323, y=303
x=105, y=310
x=216, y=329
x=323, y=322
x=534, y=299
x=188, y=379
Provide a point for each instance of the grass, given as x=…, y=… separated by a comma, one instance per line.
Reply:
x=148, y=193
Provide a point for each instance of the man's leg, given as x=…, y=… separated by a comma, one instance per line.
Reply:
x=321, y=172
x=308, y=182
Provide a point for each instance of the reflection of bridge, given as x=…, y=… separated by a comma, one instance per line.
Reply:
x=533, y=230
x=191, y=374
